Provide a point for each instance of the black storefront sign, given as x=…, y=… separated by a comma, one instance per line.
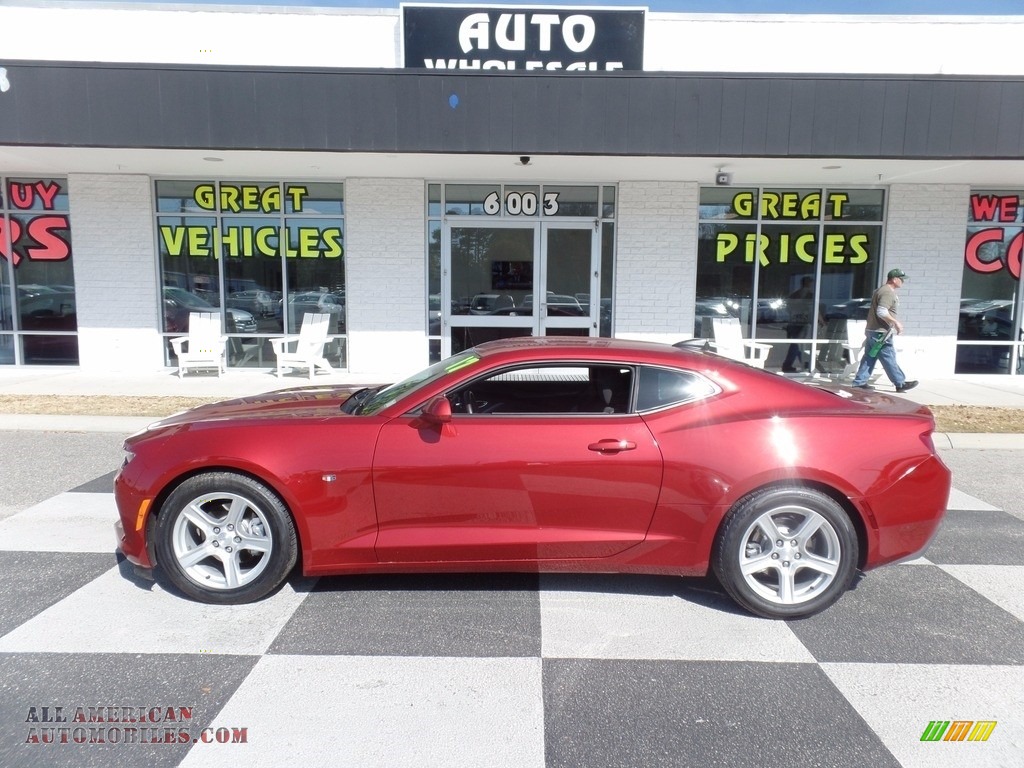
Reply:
x=522, y=39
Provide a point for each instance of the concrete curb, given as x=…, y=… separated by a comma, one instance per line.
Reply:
x=47, y=423
x=1004, y=441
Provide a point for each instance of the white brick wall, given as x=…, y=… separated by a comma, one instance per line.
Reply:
x=115, y=272
x=385, y=265
x=924, y=237
x=656, y=269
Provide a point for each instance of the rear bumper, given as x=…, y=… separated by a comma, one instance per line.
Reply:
x=907, y=515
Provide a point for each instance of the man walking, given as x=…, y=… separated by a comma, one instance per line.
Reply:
x=882, y=324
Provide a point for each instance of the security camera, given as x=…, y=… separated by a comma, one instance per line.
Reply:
x=524, y=160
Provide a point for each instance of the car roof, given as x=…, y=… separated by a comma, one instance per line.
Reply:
x=568, y=347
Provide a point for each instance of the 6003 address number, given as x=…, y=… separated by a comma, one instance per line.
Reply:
x=521, y=204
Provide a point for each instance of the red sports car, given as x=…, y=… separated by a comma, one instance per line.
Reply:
x=541, y=454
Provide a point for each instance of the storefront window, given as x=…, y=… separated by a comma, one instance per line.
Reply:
x=988, y=334
x=776, y=259
x=263, y=254
x=38, y=315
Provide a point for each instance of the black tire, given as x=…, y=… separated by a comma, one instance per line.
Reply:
x=225, y=538
x=809, y=562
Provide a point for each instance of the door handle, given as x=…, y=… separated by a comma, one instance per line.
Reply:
x=612, y=446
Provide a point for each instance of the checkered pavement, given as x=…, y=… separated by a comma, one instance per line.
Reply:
x=502, y=670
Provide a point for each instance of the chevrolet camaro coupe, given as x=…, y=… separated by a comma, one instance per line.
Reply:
x=541, y=454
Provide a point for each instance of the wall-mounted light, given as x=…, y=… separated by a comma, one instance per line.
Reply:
x=524, y=160
x=5, y=84
x=723, y=178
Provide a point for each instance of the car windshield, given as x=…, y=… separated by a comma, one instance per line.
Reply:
x=391, y=394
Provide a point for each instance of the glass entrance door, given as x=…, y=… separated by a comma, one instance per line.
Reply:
x=507, y=279
x=571, y=277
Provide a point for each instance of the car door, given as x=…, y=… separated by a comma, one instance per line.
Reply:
x=514, y=486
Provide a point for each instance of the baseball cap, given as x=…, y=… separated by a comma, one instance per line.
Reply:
x=897, y=273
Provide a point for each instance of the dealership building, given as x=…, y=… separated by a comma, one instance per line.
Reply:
x=434, y=176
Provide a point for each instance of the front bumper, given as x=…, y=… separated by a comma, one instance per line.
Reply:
x=130, y=529
x=145, y=572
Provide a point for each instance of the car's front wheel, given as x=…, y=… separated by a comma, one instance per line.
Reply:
x=785, y=553
x=225, y=538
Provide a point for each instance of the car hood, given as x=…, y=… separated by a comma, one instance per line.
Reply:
x=296, y=403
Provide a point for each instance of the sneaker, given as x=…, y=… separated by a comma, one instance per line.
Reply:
x=862, y=386
x=906, y=385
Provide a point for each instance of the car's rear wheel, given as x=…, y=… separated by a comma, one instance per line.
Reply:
x=225, y=538
x=785, y=553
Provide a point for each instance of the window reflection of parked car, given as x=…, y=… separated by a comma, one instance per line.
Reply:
x=490, y=303
x=559, y=304
x=259, y=303
x=772, y=311
x=53, y=311
x=851, y=309
x=986, y=319
x=27, y=290
x=48, y=311
x=179, y=304
x=316, y=302
x=709, y=309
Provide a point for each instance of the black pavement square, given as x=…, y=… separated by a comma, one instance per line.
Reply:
x=978, y=538
x=417, y=615
x=913, y=614
x=600, y=712
x=101, y=484
x=131, y=710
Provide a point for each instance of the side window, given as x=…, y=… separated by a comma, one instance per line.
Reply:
x=550, y=390
x=661, y=387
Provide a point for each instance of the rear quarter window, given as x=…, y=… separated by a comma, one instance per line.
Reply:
x=662, y=387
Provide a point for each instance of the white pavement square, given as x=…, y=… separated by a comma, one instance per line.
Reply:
x=898, y=701
x=68, y=522
x=384, y=711
x=118, y=614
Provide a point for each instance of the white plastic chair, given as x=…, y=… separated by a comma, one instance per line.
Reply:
x=729, y=342
x=205, y=345
x=309, y=346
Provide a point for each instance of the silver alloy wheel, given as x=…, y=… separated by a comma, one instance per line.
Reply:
x=789, y=554
x=222, y=541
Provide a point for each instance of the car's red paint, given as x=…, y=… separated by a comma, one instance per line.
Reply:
x=513, y=488
x=417, y=488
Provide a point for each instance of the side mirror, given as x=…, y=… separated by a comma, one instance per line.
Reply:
x=438, y=411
